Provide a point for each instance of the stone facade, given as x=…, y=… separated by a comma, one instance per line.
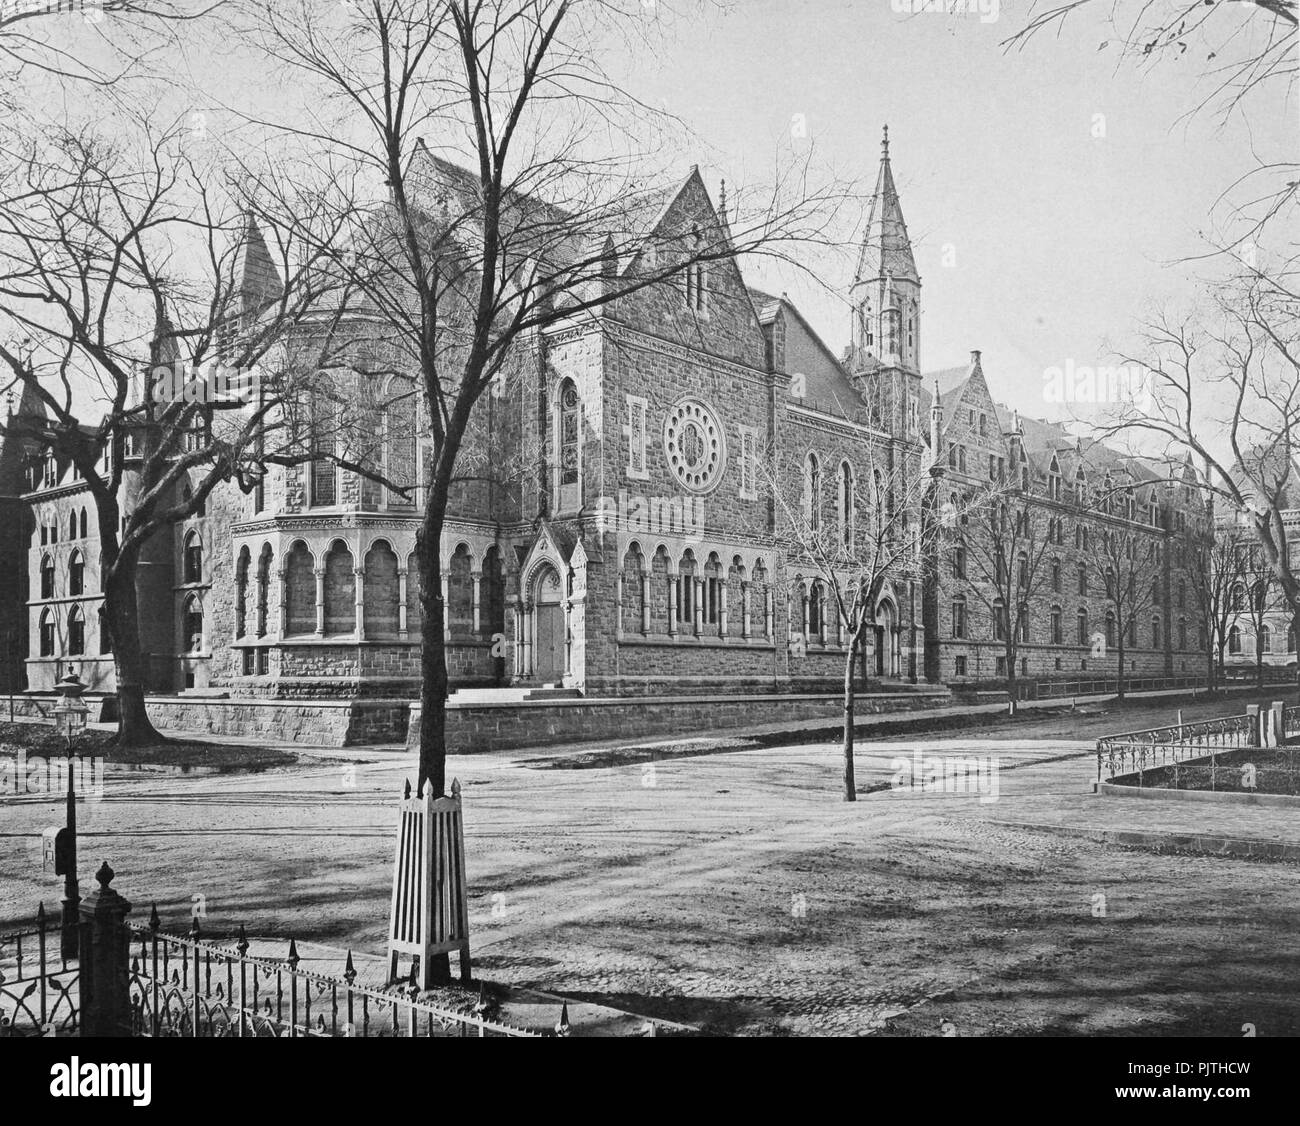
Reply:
x=617, y=532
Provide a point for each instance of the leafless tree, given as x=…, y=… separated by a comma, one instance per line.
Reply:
x=1004, y=548
x=1216, y=566
x=123, y=282
x=527, y=209
x=1225, y=386
x=1122, y=558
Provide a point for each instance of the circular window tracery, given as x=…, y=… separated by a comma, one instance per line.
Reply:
x=694, y=445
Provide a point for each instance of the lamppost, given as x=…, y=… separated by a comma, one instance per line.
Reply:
x=69, y=721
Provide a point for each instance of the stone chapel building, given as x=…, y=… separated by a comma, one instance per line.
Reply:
x=637, y=549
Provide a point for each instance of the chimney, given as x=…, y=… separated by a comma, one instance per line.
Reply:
x=975, y=358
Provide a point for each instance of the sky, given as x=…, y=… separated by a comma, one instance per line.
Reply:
x=1054, y=193
x=1042, y=231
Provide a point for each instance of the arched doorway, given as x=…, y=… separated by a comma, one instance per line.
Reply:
x=548, y=617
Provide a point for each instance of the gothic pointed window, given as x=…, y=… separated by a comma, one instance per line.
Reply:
x=846, y=505
x=812, y=493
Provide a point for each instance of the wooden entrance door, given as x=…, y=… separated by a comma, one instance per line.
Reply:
x=550, y=641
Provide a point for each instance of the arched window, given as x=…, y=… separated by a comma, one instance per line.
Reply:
x=633, y=590
x=1054, y=480
x=999, y=620
x=300, y=597
x=47, y=577
x=1290, y=639
x=381, y=591
x=192, y=563
x=846, y=505
x=47, y=633
x=1083, y=578
x=83, y=523
x=812, y=493
x=1182, y=633
x=1234, y=640
x=1023, y=568
x=1265, y=639
x=72, y=525
x=76, y=632
x=1022, y=618
x=264, y=560
x=1155, y=633
x=959, y=562
x=340, y=590
x=76, y=573
x=492, y=614
x=105, y=634
x=460, y=593
x=400, y=442
x=815, y=608
x=241, y=591
x=569, y=446
x=1081, y=620
x=1182, y=594
x=414, y=607
x=1055, y=625
x=324, y=468
x=1056, y=576
x=1110, y=629
x=193, y=624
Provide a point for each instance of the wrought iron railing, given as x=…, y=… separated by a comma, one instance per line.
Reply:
x=1136, y=752
x=184, y=986
x=38, y=987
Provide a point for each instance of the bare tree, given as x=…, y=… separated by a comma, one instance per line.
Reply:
x=1216, y=565
x=1005, y=552
x=1226, y=389
x=517, y=218
x=1241, y=48
x=1122, y=557
x=131, y=325
x=853, y=556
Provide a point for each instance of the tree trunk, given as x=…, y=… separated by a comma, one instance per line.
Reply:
x=433, y=669
x=1011, y=681
x=1119, y=683
x=134, y=728
x=850, y=784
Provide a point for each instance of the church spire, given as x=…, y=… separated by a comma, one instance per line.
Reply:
x=886, y=248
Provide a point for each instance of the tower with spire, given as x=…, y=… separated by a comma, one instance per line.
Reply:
x=884, y=360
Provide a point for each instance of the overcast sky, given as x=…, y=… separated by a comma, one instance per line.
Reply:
x=1060, y=238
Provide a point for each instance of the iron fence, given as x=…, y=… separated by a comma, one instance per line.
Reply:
x=1140, y=751
x=38, y=986
x=184, y=986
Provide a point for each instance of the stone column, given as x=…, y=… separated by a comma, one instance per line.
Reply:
x=401, y=603
x=526, y=640
x=282, y=579
x=747, y=601
x=446, y=605
x=697, y=614
x=105, y=948
x=476, y=577
x=645, y=603
x=320, y=601
x=517, y=650
x=359, y=595
x=723, y=595
x=672, y=604
x=769, y=610
x=618, y=604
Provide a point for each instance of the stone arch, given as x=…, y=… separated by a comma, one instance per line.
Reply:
x=737, y=575
x=300, y=589
x=634, y=567
x=242, y=564
x=660, y=577
x=460, y=591
x=340, y=590
x=492, y=595
x=381, y=590
x=414, y=607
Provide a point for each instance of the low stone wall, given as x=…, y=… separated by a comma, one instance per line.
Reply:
x=536, y=723
x=322, y=723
